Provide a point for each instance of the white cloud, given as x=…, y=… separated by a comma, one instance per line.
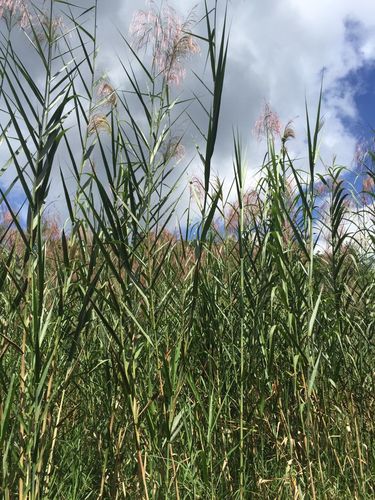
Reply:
x=278, y=49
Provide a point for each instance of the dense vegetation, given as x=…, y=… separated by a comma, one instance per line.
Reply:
x=230, y=358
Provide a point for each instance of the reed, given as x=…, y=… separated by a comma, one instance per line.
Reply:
x=233, y=358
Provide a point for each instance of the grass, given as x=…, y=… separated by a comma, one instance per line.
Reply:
x=137, y=363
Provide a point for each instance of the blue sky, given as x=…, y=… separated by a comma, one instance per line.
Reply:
x=364, y=81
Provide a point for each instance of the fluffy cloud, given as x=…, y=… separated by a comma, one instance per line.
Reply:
x=278, y=49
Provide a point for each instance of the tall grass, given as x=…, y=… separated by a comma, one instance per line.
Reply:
x=233, y=358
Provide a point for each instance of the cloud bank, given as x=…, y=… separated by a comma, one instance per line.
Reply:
x=278, y=53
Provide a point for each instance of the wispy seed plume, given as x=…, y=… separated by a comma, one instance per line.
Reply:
x=268, y=123
x=16, y=11
x=169, y=37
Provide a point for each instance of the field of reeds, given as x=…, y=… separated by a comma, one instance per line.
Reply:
x=228, y=356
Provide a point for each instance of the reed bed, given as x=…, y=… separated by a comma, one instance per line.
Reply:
x=232, y=357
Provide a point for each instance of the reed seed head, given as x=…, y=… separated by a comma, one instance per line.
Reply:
x=171, y=41
x=107, y=93
x=97, y=123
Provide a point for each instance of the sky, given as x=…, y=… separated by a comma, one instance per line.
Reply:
x=278, y=52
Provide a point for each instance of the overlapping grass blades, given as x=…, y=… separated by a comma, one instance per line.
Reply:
x=140, y=363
